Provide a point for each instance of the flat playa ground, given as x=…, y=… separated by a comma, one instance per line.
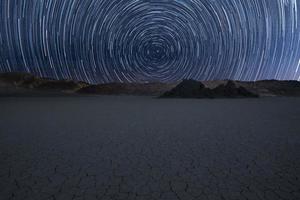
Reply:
x=118, y=147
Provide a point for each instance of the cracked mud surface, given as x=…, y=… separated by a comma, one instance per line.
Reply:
x=143, y=148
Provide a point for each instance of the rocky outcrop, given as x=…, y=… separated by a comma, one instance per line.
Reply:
x=188, y=89
x=273, y=87
x=18, y=83
x=25, y=83
x=195, y=89
x=19, y=79
x=154, y=89
x=231, y=90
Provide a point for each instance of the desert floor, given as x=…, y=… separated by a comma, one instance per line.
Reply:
x=122, y=147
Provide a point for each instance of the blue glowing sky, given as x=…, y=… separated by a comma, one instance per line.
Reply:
x=151, y=40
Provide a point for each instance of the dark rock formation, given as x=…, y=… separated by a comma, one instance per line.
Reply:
x=64, y=85
x=230, y=90
x=273, y=87
x=127, y=89
x=24, y=83
x=188, y=89
x=19, y=81
x=195, y=89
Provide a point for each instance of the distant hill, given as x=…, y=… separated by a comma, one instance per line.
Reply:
x=15, y=84
x=153, y=89
x=273, y=87
x=233, y=89
x=25, y=80
x=263, y=87
x=196, y=89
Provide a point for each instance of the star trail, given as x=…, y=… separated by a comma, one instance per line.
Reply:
x=102, y=41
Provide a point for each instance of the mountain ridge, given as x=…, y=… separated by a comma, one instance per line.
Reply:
x=19, y=83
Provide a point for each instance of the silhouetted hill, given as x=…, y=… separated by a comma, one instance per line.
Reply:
x=231, y=90
x=273, y=87
x=16, y=83
x=17, y=79
x=263, y=87
x=234, y=89
x=25, y=80
x=195, y=89
x=188, y=89
x=127, y=89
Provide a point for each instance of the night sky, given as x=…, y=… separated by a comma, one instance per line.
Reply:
x=151, y=40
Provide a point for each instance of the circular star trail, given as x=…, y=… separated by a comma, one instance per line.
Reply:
x=151, y=40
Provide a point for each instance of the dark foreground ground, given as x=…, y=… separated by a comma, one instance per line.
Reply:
x=146, y=148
